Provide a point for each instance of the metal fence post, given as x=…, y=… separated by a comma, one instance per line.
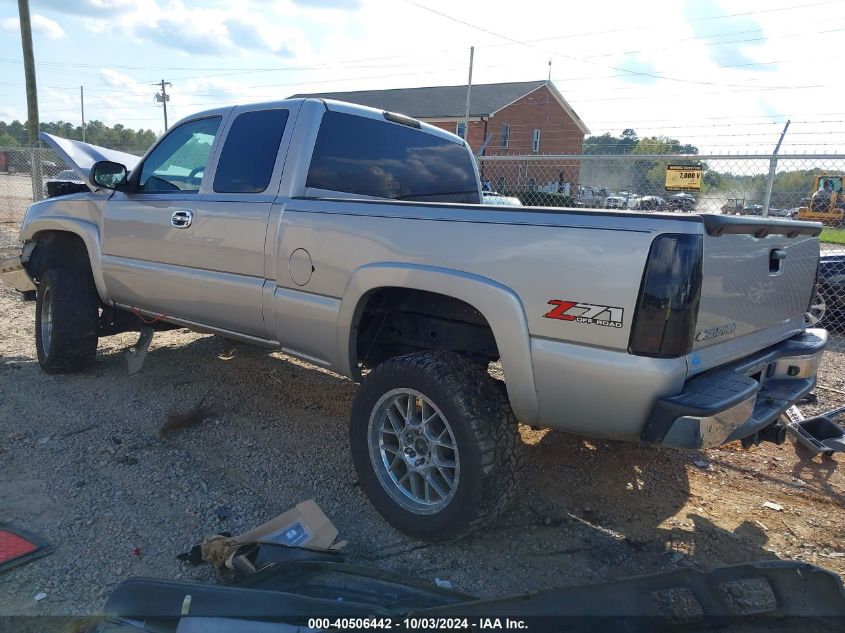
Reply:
x=773, y=164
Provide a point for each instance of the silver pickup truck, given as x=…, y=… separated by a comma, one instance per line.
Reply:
x=355, y=239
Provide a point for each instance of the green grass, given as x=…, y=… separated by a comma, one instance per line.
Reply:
x=833, y=236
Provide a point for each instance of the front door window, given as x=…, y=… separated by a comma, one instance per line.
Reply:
x=178, y=162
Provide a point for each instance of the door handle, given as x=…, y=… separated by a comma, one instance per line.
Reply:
x=776, y=258
x=182, y=218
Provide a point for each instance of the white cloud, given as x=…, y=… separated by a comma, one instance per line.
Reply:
x=203, y=45
x=251, y=32
x=41, y=25
x=233, y=29
x=345, y=5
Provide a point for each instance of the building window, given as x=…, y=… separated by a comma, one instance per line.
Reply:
x=535, y=141
x=506, y=134
x=500, y=186
x=460, y=128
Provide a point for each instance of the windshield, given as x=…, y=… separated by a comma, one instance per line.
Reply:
x=831, y=183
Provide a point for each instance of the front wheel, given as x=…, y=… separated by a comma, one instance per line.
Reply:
x=434, y=443
x=66, y=315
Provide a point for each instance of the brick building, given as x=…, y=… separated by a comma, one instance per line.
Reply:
x=523, y=118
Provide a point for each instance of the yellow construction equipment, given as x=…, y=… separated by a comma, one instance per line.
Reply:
x=734, y=206
x=826, y=202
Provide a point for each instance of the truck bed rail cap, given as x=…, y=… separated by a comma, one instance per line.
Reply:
x=716, y=225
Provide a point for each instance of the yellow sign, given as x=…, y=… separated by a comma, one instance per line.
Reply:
x=683, y=178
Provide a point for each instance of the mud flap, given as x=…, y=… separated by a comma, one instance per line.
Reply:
x=136, y=354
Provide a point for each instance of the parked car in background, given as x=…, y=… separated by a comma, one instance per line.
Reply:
x=48, y=167
x=828, y=307
x=616, y=202
x=492, y=197
x=593, y=197
x=774, y=212
x=649, y=203
x=7, y=162
x=633, y=201
x=681, y=202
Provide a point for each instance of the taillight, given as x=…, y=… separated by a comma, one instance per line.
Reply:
x=667, y=308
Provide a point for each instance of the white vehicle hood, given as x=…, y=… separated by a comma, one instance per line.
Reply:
x=81, y=156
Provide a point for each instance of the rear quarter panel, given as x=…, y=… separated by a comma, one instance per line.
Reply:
x=593, y=258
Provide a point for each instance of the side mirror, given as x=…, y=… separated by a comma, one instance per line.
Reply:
x=108, y=175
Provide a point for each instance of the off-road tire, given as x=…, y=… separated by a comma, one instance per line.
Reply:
x=74, y=304
x=486, y=436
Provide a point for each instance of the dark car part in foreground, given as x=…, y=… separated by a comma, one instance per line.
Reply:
x=300, y=588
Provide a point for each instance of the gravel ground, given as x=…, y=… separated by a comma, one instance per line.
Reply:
x=82, y=464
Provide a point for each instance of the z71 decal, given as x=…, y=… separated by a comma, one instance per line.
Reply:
x=591, y=314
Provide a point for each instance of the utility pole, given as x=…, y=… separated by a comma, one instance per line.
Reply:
x=550, y=69
x=469, y=93
x=163, y=98
x=31, y=95
x=773, y=164
x=82, y=105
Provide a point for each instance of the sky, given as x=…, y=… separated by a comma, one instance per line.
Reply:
x=724, y=75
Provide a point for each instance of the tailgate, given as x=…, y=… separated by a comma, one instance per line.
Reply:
x=758, y=276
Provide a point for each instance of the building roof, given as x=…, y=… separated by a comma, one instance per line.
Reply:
x=434, y=102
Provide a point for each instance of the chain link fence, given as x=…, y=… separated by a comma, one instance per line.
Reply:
x=733, y=184
x=730, y=184
x=25, y=174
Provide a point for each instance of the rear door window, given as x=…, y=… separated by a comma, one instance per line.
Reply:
x=249, y=152
x=369, y=157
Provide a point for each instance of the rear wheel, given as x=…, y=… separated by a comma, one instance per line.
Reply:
x=434, y=443
x=66, y=315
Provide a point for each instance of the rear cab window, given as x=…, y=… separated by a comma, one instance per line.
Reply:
x=249, y=152
x=383, y=159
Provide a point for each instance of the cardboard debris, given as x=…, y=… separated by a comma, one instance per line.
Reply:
x=302, y=526
x=773, y=506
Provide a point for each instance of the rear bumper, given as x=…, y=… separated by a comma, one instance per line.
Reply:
x=737, y=400
x=14, y=275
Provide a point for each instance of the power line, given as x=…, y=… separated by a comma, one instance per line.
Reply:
x=626, y=72
x=577, y=58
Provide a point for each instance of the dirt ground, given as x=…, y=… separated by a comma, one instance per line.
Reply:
x=82, y=464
